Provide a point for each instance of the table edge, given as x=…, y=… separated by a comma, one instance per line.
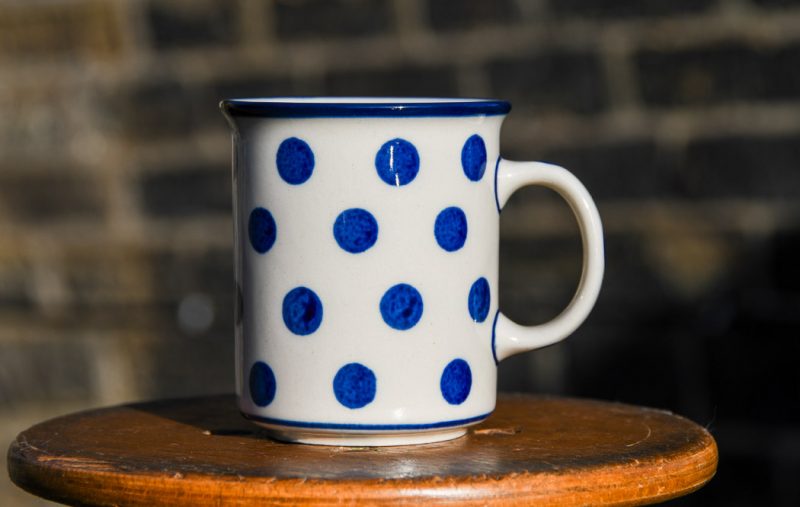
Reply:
x=60, y=479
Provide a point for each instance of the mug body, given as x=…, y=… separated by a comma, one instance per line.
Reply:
x=366, y=260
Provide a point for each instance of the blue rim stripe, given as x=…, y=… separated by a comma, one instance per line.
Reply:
x=370, y=427
x=496, y=198
x=494, y=327
x=264, y=108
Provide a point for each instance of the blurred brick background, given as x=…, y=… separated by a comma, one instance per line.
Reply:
x=682, y=117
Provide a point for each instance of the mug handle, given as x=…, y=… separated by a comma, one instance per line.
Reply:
x=508, y=337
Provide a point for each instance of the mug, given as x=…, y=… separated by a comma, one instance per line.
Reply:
x=366, y=260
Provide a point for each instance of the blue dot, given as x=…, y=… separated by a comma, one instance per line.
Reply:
x=397, y=162
x=355, y=229
x=401, y=306
x=262, y=230
x=479, y=299
x=473, y=157
x=456, y=382
x=295, y=161
x=262, y=384
x=354, y=385
x=450, y=228
x=302, y=311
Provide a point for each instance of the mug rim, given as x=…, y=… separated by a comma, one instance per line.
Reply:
x=342, y=107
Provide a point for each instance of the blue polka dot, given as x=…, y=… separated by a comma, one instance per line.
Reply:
x=355, y=229
x=450, y=228
x=456, y=382
x=354, y=385
x=397, y=162
x=302, y=311
x=473, y=157
x=479, y=299
x=295, y=161
x=401, y=307
x=262, y=230
x=262, y=384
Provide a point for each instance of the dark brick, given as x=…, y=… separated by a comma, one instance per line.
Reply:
x=188, y=366
x=722, y=348
x=189, y=24
x=253, y=86
x=751, y=167
x=699, y=75
x=626, y=348
x=628, y=8
x=552, y=81
x=726, y=72
x=44, y=371
x=190, y=363
x=751, y=352
x=783, y=270
x=633, y=363
x=109, y=278
x=15, y=293
x=195, y=190
x=315, y=19
x=54, y=195
x=156, y=109
x=782, y=68
x=402, y=81
x=177, y=274
x=456, y=14
x=776, y=3
x=538, y=276
x=635, y=170
x=634, y=293
x=753, y=374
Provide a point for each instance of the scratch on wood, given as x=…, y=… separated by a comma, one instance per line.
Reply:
x=79, y=463
x=649, y=432
x=23, y=444
x=498, y=431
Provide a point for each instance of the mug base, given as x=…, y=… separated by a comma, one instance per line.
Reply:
x=360, y=439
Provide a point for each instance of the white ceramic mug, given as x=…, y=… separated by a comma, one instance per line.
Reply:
x=366, y=245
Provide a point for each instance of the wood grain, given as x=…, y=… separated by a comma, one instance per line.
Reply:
x=532, y=450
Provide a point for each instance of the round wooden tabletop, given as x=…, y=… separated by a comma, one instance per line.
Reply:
x=552, y=451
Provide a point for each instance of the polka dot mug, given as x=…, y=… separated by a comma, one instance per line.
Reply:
x=366, y=245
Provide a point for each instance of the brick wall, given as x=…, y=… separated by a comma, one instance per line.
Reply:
x=682, y=117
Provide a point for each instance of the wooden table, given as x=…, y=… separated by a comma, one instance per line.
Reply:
x=552, y=451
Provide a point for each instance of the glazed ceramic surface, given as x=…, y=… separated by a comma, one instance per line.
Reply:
x=366, y=244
